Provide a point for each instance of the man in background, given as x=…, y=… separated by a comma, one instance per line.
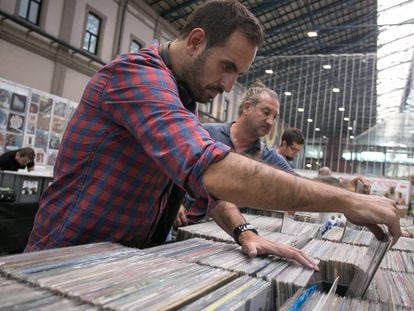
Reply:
x=18, y=159
x=257, y=114
x=291, y=144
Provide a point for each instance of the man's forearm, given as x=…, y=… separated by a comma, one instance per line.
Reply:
x=246, y=182
x=227, y=216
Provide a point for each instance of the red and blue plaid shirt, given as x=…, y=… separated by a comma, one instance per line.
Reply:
x=129, y=137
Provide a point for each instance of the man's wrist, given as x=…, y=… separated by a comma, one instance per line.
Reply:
x=243, y=228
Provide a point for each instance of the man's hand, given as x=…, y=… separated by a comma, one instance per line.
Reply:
x=253, y=245
x=371, y=210
x=181, y=219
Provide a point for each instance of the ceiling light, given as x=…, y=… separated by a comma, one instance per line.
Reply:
x=309, y=165
x=324, y=137
x=335, y=90
x=317, y=129
x=269, y=71
x=327, y=66
x=288, y=93
x=350, y=128
x=346, y=119
x=301, y=109
x=351, y=137
x=310, y=120
x=341, y=109
x=312, y=34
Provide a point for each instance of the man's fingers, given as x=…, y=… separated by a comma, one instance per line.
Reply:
x=376, y=230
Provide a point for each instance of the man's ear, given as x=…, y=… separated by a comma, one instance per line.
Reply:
x=247, y=106
x=196, y=41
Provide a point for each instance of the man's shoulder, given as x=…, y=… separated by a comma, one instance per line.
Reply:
x=271, y=156
x=218, y=131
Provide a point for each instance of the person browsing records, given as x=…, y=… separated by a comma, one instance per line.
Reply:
x=139, y=112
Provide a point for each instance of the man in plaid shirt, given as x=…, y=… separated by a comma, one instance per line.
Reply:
x=134, y=136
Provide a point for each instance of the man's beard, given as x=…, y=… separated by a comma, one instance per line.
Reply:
x=191, y=76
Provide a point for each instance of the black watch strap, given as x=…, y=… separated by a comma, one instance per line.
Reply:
x=243, y=227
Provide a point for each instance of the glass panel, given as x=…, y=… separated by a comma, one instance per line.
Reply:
x=135, y=46
x=24, y=7
x=86, y=41
x=92, y=45
x=93, y=24
x=34, y=13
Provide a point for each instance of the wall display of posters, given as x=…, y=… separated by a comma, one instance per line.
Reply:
x=13, y=110
x=30, y=117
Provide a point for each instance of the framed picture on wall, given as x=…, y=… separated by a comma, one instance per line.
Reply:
x=15, y=123
x=13, y=141
x=4, y=98
x=3, y=119
x=18, y=103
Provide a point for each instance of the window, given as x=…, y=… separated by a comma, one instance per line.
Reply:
x=91, y=39
x=135, y=46
x=30, y=10
x=209, y=107
x=226, y=109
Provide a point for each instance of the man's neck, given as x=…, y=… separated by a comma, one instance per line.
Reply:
x=240, y=137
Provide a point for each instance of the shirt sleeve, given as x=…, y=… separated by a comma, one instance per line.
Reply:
x=142, y=96
x=197, y=209
x=274, y=159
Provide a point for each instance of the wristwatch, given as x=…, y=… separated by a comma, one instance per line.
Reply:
x=243, y=227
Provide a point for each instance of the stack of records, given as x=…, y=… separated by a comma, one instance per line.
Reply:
x=211, y=231
x=19, y=296
x=317, y=301
x=262, y=212
x=404, y=244
x=307, y=217
x=335, y=234
x=244, y=293
x=368, y=267
x=264, y=223
x=398, y=261
x=207, y=230
x=114, y=277
x=336, y=259
x=394, y=288
x=292, y=227
x=287, y=277
x=357, y=237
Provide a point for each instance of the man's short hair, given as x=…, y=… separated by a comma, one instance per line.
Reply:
x=27, y=152
x=219, y=19
x=292, y=135
x=253, y=94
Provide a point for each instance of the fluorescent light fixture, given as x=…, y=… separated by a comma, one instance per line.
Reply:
x=288, y=93
x=301, y=109
x=269, y=71
x=351, y=137
x=317, y=129
x=310, y=120
x=341, y=109
x=350, y=128
x=312, y=34
x=336, y=90
x=346, y=119
x=326, y=66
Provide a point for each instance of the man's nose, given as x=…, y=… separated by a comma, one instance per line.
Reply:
x=228, y=81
